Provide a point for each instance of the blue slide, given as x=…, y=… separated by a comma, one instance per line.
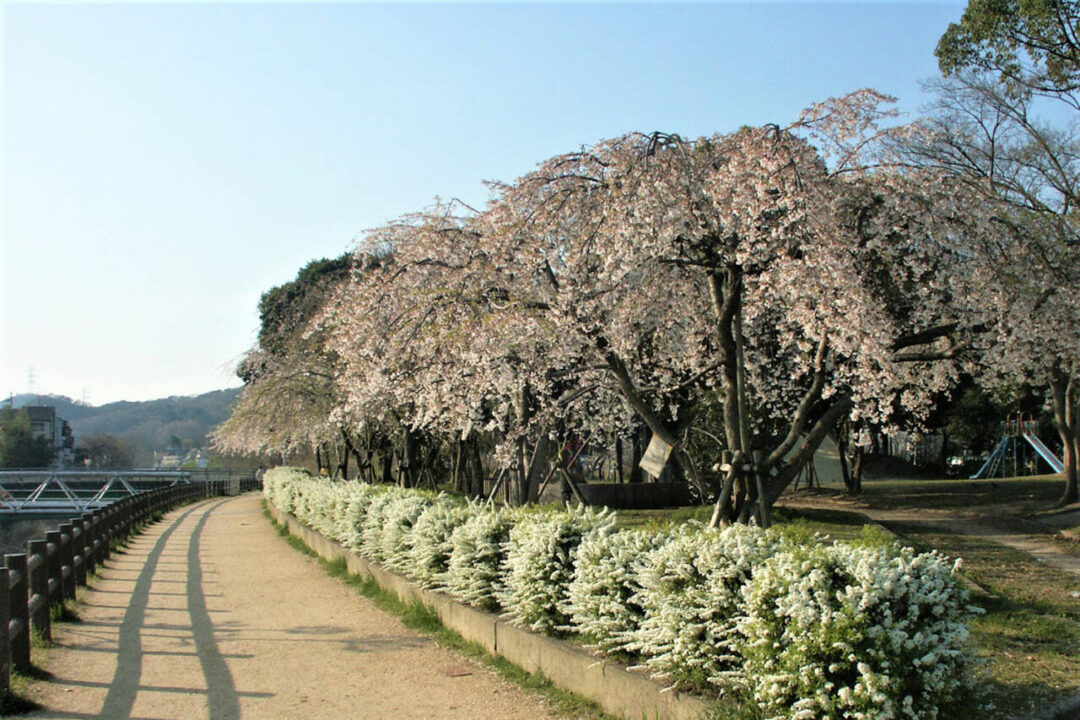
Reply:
x=1044, y=452
x=990, y=466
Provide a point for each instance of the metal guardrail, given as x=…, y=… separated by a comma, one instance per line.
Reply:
x=55, y=565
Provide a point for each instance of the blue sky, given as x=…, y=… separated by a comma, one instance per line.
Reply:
x=165, y=164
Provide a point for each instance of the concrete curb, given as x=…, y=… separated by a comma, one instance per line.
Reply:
x=615, y=689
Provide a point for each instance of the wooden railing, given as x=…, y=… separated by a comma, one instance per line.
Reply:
x=55, y=565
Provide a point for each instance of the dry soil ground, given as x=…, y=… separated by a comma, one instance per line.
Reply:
x=209, y=613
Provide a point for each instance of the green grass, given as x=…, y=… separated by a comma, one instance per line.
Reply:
x=1019, y=495
x=799, y=524
x=423, y=619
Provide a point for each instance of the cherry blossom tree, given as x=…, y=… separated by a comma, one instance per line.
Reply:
x=434, y=343
x=1014, y=150
x=787, y=275
x=742, y=265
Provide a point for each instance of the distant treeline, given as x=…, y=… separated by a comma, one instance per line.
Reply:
x=180, y=423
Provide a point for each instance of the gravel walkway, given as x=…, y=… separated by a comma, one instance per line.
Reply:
x=209, y=613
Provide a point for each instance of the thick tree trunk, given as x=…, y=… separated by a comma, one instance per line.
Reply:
x=410, y=456
x=477, y=476
x=541, y=458
x=388, y=466
x=1066, y=396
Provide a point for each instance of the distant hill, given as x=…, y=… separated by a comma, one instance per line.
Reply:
x=145, y=426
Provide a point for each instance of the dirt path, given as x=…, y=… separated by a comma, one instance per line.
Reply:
x=211, y=614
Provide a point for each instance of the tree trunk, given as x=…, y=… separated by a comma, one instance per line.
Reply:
x=388, y=466
x=410, y=457
x=637, y=475
x=1066, y=400
x=537, y=469
x=477, y=477
x=457, y=474
x=856, y=471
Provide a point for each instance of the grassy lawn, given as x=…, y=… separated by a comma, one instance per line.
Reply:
x=1013, y=496
x=836, y=524
x=1029, y=638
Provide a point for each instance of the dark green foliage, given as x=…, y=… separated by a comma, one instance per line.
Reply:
x=1028, y=43
x=18, y=446
x=287, y=308
x=104, y=451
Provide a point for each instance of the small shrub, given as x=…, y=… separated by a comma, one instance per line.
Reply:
x=350, y=521
x=842, y=631
x=478, y=551
x=431, y=545
x=602, y=604
x=371, y=530
x=399, y=515
x=691, y=597
x=540, y=565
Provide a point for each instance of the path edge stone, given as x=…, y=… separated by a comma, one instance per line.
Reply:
x=615, y=689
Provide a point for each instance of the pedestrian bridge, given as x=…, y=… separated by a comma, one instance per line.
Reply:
x=27, y=493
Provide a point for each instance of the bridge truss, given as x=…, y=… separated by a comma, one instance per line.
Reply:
x=49, y=492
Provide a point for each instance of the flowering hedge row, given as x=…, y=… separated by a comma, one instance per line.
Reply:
x=806, y=630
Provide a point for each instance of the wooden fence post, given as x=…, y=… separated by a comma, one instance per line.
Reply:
x=19, y=621
x=78, y=546
x=90, y=530
x=67, y=559
x=38, y=565
x=5, y=640
x=56, y=566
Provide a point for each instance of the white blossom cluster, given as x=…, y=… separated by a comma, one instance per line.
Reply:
x=853, y=632
x=540, y=559
x=477, y=557
x=602, y=597
x=431, y=541
x=691, y=594
x=806, y=628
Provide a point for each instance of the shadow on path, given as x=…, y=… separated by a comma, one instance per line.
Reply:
x=220, y=688
x=125, y=683
x=221, y=691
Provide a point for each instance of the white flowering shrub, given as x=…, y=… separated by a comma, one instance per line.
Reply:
x=691, y=597
x=430, y=546
x=371, y=527
x=854, y=632
x=349, y=524
x=539, y=565
x=601, y=596
x=321, y=500
x=477, y=555
x=280, y=486
x=398, y=517
x=802, y=627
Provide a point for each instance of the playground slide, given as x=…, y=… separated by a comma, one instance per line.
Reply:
x=1044, y=452
x=990, y=466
